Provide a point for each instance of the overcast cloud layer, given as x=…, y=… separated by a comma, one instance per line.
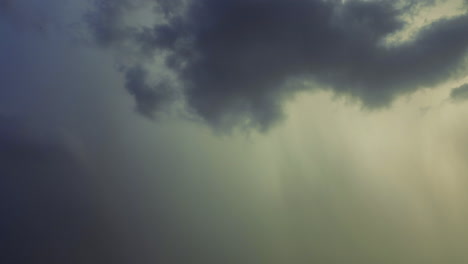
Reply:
x=85, y=179
x=234, y=60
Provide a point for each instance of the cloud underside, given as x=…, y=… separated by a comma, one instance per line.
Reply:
x=460, y=93
x=234, y=60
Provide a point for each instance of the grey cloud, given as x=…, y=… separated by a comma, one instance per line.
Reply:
x=235, y=58
x=149, y=99
x=51, y=205
x=460, y=93
x=42, y=187
x=107, y=20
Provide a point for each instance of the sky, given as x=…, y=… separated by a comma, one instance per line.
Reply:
x=233, y=131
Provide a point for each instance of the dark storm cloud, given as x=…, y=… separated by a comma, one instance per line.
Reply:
x=107, y=21
x=40, y=205
x=49, y=213
x=235, y=58
x=149, y=99
x=460, y=93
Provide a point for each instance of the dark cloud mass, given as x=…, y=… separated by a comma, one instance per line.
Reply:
x=106, y=23
x=235, y=57
x=460, y=93
x=52, y=204
x=45, y=215
x=149, y=98
x=84, y=180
